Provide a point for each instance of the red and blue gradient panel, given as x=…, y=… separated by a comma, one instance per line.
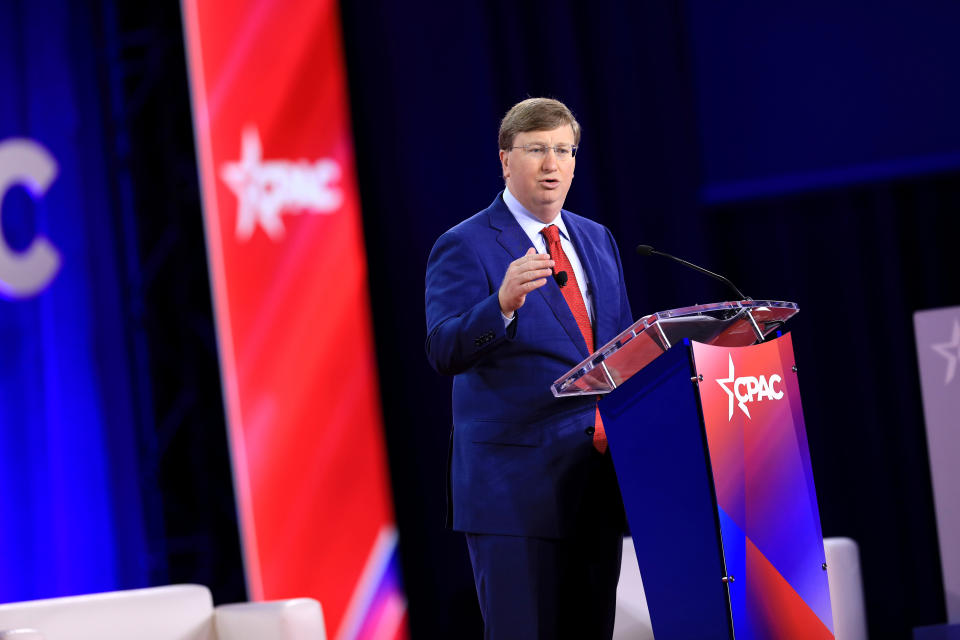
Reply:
x=772, y=541
x=289, y=281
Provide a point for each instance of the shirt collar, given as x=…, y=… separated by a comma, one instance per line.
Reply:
x=530, y=223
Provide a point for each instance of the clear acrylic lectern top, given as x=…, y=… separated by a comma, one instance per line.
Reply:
x=729, y=324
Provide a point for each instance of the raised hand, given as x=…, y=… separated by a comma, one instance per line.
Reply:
x=523, y=276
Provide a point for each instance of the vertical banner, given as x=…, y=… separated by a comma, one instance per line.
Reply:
x=767, y=502
x=288, y=272
x=938, y=355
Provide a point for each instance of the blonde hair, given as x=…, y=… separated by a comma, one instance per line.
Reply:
x=536, y=114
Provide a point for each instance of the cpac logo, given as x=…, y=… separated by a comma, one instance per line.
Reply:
x=267, y=189
x=747, y=389
x=950, y=351
x=25, y=274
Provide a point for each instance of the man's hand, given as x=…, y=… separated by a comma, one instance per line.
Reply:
x=523, y=276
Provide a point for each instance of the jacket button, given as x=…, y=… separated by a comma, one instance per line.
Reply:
x=589, y=431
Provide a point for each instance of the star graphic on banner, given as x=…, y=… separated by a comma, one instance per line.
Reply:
x=265, y=189
x=723, y=382
x=950, y=351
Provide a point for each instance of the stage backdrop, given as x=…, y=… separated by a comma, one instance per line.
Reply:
x=72, y=484
x=290, y=295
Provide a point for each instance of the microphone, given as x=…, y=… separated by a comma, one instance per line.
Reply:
x=561, y=278
x=647, y=250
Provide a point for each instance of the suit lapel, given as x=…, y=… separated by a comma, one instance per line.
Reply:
x=589, y=256
x=511, y=236
x=516, y=242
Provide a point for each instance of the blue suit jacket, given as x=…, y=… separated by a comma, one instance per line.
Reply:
x=522, y=462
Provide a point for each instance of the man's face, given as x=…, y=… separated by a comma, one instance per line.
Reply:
x=539, y=181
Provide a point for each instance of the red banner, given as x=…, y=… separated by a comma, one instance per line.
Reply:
x=289, y=275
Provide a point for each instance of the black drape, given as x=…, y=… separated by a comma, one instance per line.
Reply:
x=428, y=87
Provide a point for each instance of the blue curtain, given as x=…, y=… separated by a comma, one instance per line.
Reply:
x=70, y=493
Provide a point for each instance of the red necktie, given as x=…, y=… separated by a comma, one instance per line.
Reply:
x=571, y=293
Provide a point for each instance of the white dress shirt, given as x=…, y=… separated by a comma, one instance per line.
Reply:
x=532, y=226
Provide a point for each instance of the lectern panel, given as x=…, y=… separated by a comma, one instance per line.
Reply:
x=767, y=504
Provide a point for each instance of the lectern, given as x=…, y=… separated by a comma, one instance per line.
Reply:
x=705, y=426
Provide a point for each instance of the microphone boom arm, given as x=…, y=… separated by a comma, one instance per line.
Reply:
x=719, y=277
x=646, y=250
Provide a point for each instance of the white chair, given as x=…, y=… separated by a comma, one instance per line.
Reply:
x=21, y=634
x=843, y=575
x=174, y=612
x=633, y=617
x=846, y=589
x=297, y=619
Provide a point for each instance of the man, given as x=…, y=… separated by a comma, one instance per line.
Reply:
x=517, y=295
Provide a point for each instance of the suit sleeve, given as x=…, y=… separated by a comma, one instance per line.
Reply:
x=462, y=307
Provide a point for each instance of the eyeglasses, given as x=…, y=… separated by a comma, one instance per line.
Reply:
x=539, y=151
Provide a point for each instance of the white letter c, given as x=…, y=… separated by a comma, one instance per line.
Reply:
x=24, y=162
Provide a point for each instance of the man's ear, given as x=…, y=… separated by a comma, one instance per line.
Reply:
x=505, y=163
